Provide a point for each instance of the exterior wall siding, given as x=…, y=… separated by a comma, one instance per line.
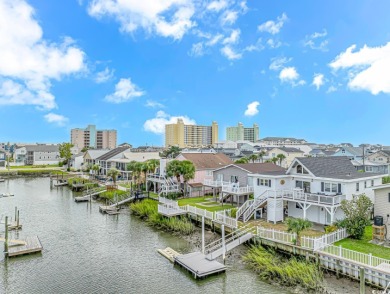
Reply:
x=230, y=171
x=382, y=206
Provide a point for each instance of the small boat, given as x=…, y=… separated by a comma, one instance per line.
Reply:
x=60, y=184
x=2, y=180
x=6, y=195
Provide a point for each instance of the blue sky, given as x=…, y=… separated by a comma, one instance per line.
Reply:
x=318, y=70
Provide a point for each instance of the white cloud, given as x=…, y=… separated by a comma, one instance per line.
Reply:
x=230, y=53
x=57, y=119
x=154, y=104
x=318, y=80
x=28, y=62
x=368, y=68
x=104, y=76
x=217, y=5
x=290, y=75
x=277, y=63
x=214, y=40
x=197, y=50
x=229, y=17
x=168, y=18
x=273, y=27
x=251, y=108
x=331, y=89
x=274, y=43
x=125, y=91
x=157, y=125
x=316, y=41
x=233, y=38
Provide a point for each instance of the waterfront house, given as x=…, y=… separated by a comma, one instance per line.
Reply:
x=312, y=188
x=104, y=161
x=37, y=155
x=205, y=164
x=2, y=160
x=233, y=181
x=91, y=155
x=289, y=152
x=77, y=161
x=355, y=153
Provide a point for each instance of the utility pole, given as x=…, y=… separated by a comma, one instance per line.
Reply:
x=364, y=167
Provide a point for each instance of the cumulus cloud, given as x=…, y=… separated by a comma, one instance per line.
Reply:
x=318, y=80
x=28, y=62
x=157, y=124
x=274, y=43
x=197, y=49
x=277, y=63
x=217, y=5
x=154, y=104
x=251, y=108
x=233, y=38
x=125, y=91
x=104, y=76
x=273, y=27
x=290, y=75
x=230, y=54
x=168, y=18
x=229, y=17
x=317, y=41
x=368, y=69
x=57, y=119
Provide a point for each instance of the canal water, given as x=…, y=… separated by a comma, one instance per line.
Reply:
x=88, y=252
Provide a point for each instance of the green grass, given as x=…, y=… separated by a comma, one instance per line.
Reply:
x=33, y=166
x=364, y=246
x=196, y=201
x=110, y=194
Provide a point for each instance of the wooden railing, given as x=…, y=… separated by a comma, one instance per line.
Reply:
x=225, y=220
x=168, y=202
x=276, y=235
x=198, y=211
x=306, y=197
x=237, y=190
x=217, y=183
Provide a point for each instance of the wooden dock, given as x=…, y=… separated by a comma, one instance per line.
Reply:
x=15, y=226
x=32, y=245
x=83, y=198
x=107, y=209
x=197, y=264
x=169, y=253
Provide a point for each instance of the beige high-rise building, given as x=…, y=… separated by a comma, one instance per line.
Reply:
x=183, y=136
x=241, y=133
x=92, y=138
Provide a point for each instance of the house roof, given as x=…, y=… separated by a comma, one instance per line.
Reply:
x=386, y=152
x=289, y=149
x=262, y=168
x=280, y=139
x=42, y=148
x=355, y=151
x=95, y=153
x=337, y=167
x=207, y=160
x=137, y=156
x=112, y=153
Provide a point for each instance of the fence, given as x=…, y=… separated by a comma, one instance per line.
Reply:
x=324, y=240
x=276, y=235
x=168, y=202
x=198, y=211
x=222, y=218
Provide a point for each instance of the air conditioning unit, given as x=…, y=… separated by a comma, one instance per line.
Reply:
x=378, y=220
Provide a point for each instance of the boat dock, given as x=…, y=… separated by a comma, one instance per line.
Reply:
x=15, y=225
x=31, y=245
x=169, y=253
x=198, y=265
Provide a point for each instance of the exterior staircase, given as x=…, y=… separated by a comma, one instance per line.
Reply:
x=169, y=186
x=246, y=211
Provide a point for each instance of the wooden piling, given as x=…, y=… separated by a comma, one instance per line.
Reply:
x=362, y=281
x=6, y=237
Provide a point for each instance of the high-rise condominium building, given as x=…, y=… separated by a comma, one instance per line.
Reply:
x=90, y=137
x=240, y=133
x=182, y=135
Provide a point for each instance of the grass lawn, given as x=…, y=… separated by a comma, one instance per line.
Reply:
x=364, y=246
x=208, y=205
x=33, y=166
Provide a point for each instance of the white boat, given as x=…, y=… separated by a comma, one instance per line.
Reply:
x=6, y=195
x=2, y=180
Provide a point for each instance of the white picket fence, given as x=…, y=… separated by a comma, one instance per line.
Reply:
x=168, y=202
x=276, y=235
x=324, y=240
x=198, y=211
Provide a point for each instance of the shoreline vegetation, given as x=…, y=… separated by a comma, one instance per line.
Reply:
x=147, y=210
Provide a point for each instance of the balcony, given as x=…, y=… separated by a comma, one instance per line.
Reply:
x=215, y=184
x=300, y=196
x=236, y=190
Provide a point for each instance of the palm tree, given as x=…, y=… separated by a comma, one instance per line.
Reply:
x=188, y=173
x=280, y=157
x=261, y=155
x=242, y=160
x=274, y=160
x=113, y=173
x=174, y=169
x=297, y=225
x=96, y=169
x=172, y=152
x=253, y=157
x=152, y=165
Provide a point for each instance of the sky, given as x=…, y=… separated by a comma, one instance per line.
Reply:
x=317, y=70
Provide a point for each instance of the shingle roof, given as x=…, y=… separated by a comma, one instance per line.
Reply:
x=290, y=149
x=95, y=153
x=337, y=167
x=263, y=168
x=356, y=151
x=112, y=153
x=280, y=139
x=387, y=152
x=42, y=148
x=207, y=160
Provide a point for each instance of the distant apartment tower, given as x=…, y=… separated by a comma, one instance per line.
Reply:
x=182, y=135
x=90, y=137
x=240, y=133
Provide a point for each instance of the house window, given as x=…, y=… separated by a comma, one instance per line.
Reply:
x=365, y=184
x=330, y=187
x=264, y=182
x=234, y=179
x=368, y=168
x=372, y=183
x=357, y=187
x=299, y=169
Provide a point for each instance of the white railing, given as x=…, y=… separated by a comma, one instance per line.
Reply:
x=352, y=255
x=226, y=220
x=324, y=240
x=276, y=235
x=217, y=183
x=168, y=210
x=215, y=245
x=237, y=190
x=168, y=202
x=299, y=195
x=198, y=211
x=243, y=208
x=251, y=209
x=155, y=177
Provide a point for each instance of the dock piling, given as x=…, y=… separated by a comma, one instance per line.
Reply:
x=362, y=281
x=6, y=237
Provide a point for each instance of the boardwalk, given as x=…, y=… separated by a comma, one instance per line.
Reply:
x=32, y=245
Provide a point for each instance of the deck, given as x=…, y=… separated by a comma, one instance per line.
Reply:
x=169, y=211
x=32, y=245
x=198, y=265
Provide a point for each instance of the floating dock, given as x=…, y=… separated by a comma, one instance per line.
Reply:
x=169, y=253
x=82, y=198
x=15, y=226
x=31, y=245
x=197, y=264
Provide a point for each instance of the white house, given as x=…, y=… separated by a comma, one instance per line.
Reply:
x=312, y=188
x=37, y=155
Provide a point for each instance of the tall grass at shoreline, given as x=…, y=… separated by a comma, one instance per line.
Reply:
x=147, y=209
x=288, y=271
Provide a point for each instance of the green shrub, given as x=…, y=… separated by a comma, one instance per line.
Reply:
x=233, y=212
x=290, y=272
x=330, y=229
x=110, y=195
